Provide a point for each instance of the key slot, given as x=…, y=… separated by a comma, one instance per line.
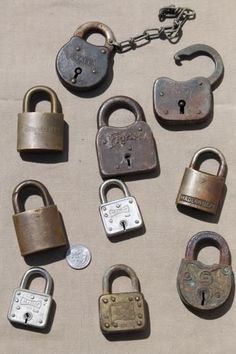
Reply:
x=181, y=104
x=128, y=159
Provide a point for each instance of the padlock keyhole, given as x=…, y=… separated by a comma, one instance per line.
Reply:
x=123, y=224
x=181, y=105
x=27, y=316
x=128, y=160
x=203, y=297
x=78, y=71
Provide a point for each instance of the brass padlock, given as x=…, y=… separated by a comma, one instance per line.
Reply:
x=124, y=150
x=202, y=190
x=205, y=287
x=121, y=312
x=40, y=131
x=37, y=229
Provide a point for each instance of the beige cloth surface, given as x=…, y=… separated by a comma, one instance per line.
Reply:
x=32, y=32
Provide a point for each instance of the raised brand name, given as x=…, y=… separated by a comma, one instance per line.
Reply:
x=122, y=138
x=197, y=201
x=124, y=209
x=83, y=60
x=32, y=303
x=42, y=130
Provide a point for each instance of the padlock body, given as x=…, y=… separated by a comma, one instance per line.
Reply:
x=204, y=287
x=196, y=93
x=39, y=229
x=29, y=308
x=38, y=132
x=122, y=312
x=201, y=190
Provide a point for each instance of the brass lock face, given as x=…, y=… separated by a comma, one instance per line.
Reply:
x=202, y=190
x=124, y=150
x=205, y=287
x=121, y=312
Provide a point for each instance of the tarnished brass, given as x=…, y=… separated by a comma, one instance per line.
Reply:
x=202, y=190
x=205, y=287
x=40, y=131
x=37, y=229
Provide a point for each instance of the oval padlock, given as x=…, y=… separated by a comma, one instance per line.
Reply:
x=40, y=131
x=37, y=229
x=202, y=190
x=205, y=287
x=81, y=65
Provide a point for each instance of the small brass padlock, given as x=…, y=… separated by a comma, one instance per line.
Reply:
x=205, y=287
x=202, y=190
x=37, y=229
x=31, y=308
x=121, y=312
x=40, y=131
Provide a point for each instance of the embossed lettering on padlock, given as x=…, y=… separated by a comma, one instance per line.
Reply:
x=202, y=190
x=201, y=286
x=81, y=65
x=121, y=312
x=183, y=102
x=37, y=229
x=40, y=131
x=119, y=216
x=124, y=150
x=28, y=307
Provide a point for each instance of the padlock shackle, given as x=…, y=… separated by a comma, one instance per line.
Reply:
x=208, y=238
x=196, y=50
x=44, y=89
x=112, y=182
x=40, y=272
x=113, y=104
x=119, y=268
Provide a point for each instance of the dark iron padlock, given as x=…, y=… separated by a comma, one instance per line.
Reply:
x=81, y=65
x=37, y=229
x=121, y=312
x=30, y=308
x=182, y=102
x=40, y=131
x=124, y=150
x=202, y=190
x=201, y=286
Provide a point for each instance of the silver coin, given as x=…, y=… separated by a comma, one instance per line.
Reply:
x=78, y=256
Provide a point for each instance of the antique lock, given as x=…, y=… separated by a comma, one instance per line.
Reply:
x=121, y=312
x=119, y=216
x=202, y=190
x=37, y=229
x=201, y=286
x=182, y=102
x=124, y=150
x=31, y=308
x=81, y=65
x=40, y=131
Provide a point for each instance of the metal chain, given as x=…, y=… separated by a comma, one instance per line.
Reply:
x=174, y=32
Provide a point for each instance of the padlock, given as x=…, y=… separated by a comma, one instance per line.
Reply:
x=37, y=229
x=31, y=308
x=40, y=131
x=183, y=102
x=205, y=287
x=202, y=190
x=119, y=216
x=81, y=65
x=121, y=312
x=124, y=150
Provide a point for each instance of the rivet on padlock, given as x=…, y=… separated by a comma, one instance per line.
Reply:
x=37, y=229
x=205, y=287
x=202, y=190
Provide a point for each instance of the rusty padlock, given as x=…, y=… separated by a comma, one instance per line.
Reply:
x=40, y=131
x=37, y=229
x=124, y=150
x=183, y=102
x=202, y=190
x=200, y=286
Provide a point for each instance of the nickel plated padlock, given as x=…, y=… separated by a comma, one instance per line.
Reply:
x=183, y=102
x=202, y=190
x=37, y=229
x=124, y=150
x=121, y=312
x=205, y=287
x=28, y=307
x=40, y=131
x=119, y=216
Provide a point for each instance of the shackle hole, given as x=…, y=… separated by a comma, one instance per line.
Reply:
x=36, y=283
x=114, y=192
x=97, y=39
x=208, y=255
x=120, y=283
x=208, y=162
x=33, y=201
x=121, y=118
x=40, y=101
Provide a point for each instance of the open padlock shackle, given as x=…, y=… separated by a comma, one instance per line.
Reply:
x=119, y=268
x=112, y=182
x=37, y=271
x=196, y=50
x=36, y=89
x=113, y=104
